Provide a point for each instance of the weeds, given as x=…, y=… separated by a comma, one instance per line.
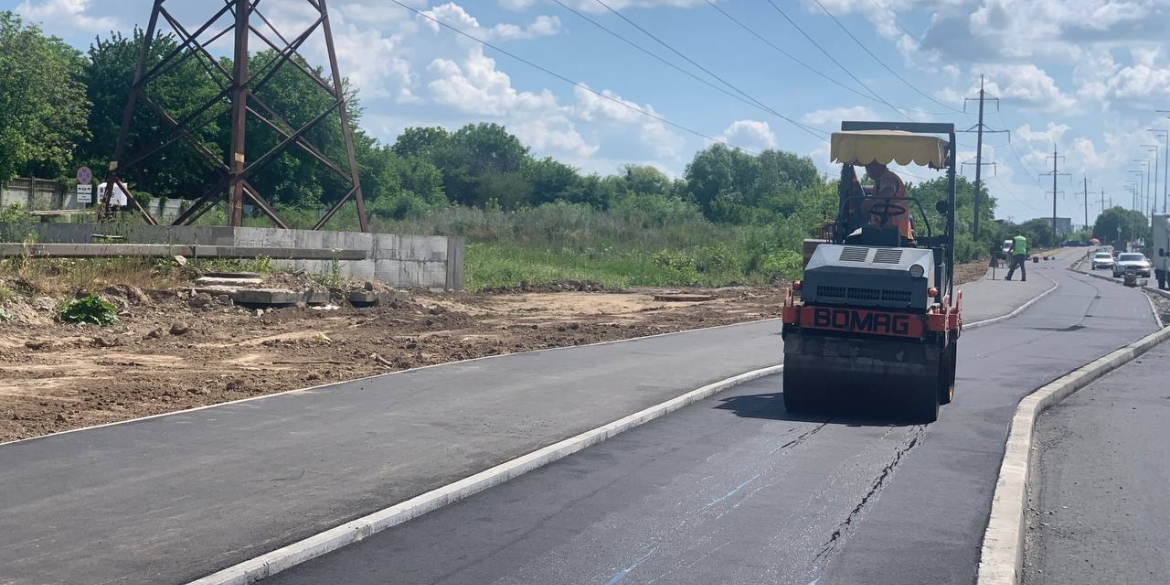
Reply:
x=332, y=279
x=90, y=310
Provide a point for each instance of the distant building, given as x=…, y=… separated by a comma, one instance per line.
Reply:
x=1064, y=225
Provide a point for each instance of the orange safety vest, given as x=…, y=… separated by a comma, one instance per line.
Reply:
x=900, y=220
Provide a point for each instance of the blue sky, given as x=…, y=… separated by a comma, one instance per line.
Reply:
x=1085, y=75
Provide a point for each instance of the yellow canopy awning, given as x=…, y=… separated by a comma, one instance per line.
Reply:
x=886, y=146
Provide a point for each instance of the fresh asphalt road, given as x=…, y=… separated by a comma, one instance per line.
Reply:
x=1100, y=505
x=734, y=490
x=173, y=498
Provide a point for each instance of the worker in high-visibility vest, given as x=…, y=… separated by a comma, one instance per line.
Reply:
x=1019, y=256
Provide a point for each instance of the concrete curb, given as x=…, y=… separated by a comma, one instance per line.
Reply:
x=278, y=560
x=1154, y=310
x=1002, y=556
x=1158, y=292
x=1020, y=309
x=330, y=540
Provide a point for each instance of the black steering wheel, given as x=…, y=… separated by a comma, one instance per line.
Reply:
x=884, y=210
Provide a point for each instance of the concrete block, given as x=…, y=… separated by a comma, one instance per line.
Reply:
x=252, y=237
x=262, y=296
x=308, y=239
x=387, y=246
x=362, y=269
x=412, y=273
x=436, y=275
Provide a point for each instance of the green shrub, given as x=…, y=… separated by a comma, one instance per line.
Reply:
x=89, y=310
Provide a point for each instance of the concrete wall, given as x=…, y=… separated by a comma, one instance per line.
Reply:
x=401, y=260
x=43, y=195
x=37, y=194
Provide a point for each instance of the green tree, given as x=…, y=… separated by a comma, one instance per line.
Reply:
x=549, y=180
x=179, y=171
x=421, y=142
x=1119, y=225
x=296, y=178
x=785, y=171
x=477, y=161
x=720, y=170
x=646, y=180
x=43, y=106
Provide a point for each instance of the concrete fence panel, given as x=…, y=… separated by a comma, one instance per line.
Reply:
x=404, y=261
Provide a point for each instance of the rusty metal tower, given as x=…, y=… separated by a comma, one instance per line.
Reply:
x=238, y=91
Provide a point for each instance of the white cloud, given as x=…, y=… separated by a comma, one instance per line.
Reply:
x=749, y=135
x=555, y=133
x=516, y=5
x=64, y=16
x=1051, y=135
x=834, y=116
x=613, y=108
x=1028, y=84
x=592, y=6
x=454, y=15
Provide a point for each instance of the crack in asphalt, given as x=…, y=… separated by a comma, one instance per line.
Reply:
x=844, y=527
x=801, y=438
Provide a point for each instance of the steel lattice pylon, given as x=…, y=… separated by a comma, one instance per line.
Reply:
x=238, y=90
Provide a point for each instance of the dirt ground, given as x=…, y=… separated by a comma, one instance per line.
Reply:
x=170, y=352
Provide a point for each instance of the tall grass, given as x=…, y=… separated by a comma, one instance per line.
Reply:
x=641, y=240
x=668, y=243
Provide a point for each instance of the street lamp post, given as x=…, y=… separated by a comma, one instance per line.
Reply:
x=1165, y=169
x=1145, y=185
x=1141, y=179
x=1152, y=203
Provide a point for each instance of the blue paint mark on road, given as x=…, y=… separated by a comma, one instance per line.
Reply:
x=732, y=492
x=622, y=574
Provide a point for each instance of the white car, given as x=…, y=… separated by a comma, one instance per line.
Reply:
x=1135, y=260
x=1102, y=260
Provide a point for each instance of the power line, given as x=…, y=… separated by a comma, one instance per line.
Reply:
x=563, y=78
x=809, y=129
x=894, y=18
x=835, y=61
x=800, y=62
x=1019, y=158
x=1008, y=189
x=882, y=63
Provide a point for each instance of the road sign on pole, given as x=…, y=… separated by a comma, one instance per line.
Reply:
x=84, y=193
x=84, y=176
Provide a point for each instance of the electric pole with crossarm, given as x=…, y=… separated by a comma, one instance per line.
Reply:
x=1055, y=175
x=979, y=130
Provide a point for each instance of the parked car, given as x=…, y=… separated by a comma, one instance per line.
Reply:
x=1135, y=260
x=1102, y=259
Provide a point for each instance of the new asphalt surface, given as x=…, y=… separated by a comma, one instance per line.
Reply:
x=173, y=498
x=734, y=490
x=1099, y=503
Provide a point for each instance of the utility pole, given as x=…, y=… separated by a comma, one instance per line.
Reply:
x=1086, y=194
x=979, y=129
x=1055, y=175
